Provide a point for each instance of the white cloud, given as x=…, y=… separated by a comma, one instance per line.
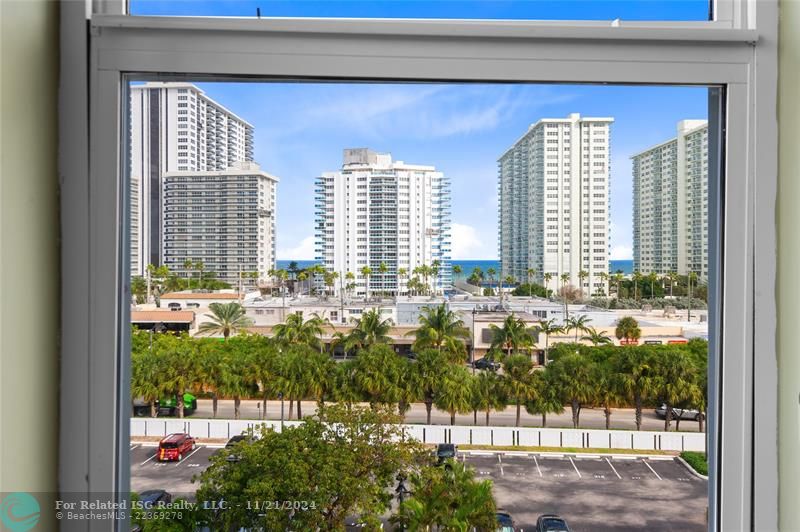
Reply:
x=621, y=253
x=465, y=242
x=304, y=251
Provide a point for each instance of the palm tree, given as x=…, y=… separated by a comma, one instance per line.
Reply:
x=226, y=319
x=319, y=372
x=383, y=269
x=692, y=277
x=518, y=381
x=454, y=392
x=179, y=366
x=564, y=280
x=577, y=324
x=440, y=329
x=296, y=331
x=200, y=267
x=548, y=397
x=513, y=335
x=426, y=375
x=457, y=270
x=491, y=273
x=604, y=277
x=366, y=271
x=597, y=338
x=235, y=376
x=369, y=329
x=582, y=275
x=573, y=374
x=487, y=394
x=607, y=391
x=637, y=278
x=675, y=380
x=531, y=272
x=634, y=367
x=402, y=273
x=146, y=375
x=302, y=277
x=379, y=374
x=673, y=277
x=209, y=367
x=508, y=281
x=547, y=278
x=652, y=277
x=628, y=330
x=434, y=270
x=548, y=328
x=187, y=265
x=292, y=380
x=618, y=277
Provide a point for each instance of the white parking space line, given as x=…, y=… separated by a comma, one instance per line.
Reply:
x=188, y=455
x=653, y=470
x=134, y=446
x=537, y=465
x=499, y=459
x=576, y=467
x=623, y=457
x=661, y=458
x=613, y=468
x=143, y=463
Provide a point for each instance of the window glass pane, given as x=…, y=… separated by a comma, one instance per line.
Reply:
x=296, y=247
x=674, y=10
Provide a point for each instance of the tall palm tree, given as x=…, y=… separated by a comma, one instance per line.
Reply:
x=578, y=324
x=564, y=280
x=302, y=277
x=573, y=374
x=513, y=335
x=366, y=271
x=604, y=277
x=548, y=328
x=509, y=280
x=454, y=392
x=236, y=376
x=637, y=278
x=146, y=375
x=368, y=330
x=296, y=331
x=547, y=278
x=531, y=272
x=652, y=277
x=434, y=270
x=292, y=378
x=187, y=265
x=319, y=373
x=582, y=275
x=548, y=397
x=618, y=277
x=402, y=273
x=487, y=394
x=596, y=337
x=491, y=273
x=379, y=374
x=675, y=380
x=518, y=381
x=226, y=319
x=200, y=267
x=673, y=277
x=457, y=270
x=628, y=329
x=440, y=329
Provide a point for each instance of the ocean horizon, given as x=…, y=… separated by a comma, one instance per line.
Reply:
x=467, y=265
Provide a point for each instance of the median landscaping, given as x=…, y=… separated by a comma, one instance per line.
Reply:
x=697, y=461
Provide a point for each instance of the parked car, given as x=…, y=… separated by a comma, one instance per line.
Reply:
x=175, y=447
x=485, y=363
x=155, y=498
x=445, y=451
x=165, y=406
x=174, y=306
x=682, y=413
x=504, y=522
x=551, y=523
x=236, y=440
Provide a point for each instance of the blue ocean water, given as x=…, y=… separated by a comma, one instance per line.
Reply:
x=468, y=265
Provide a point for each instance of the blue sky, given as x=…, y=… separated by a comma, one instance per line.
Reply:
x=301, y=128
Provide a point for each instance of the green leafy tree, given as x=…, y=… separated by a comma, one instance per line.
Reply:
x=608, y=390
x=378, y=374
x=675, y=380
x=512, y=336
x=340, y=463
x=139, y=290
x=548, y=397
x=146, y=376
x=488, y=394
x=549, y=328
x=441, y=329
x=635, y=371
x=368, y=330
x=179, y=366
x=426, y=374
x=237, y=375
x=295, y=331
x=226, y=319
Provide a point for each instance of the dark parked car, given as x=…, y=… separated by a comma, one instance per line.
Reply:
x=551, y=523
x=682, y=413
x=155, y=498
x=445, y=451
x=485, y=363
x=504, y=522
x=234, y=441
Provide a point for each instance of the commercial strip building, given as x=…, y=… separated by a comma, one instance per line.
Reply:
x=376, y=211
x=553, y=189
x=174, y=127
x=670, y=203
x=224, y=218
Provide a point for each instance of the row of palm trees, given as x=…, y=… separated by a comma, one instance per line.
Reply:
x=578, y=376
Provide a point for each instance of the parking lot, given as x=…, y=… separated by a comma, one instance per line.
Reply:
x=593, y=492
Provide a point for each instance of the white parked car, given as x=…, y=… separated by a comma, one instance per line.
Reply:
x=683, y=413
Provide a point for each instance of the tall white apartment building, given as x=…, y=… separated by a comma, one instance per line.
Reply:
x=670, y=203
x=375, y=210
x=174, y=127
x=553, y=189
x=224, y=218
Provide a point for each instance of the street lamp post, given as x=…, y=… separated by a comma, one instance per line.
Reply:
x=401, y=491
x=280, y=396
x=472, y=344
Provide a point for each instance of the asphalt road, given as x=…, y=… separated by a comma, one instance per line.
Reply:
x=593, y=493
x=591, y=418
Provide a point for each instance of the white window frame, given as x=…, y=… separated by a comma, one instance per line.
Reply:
x=731, y=51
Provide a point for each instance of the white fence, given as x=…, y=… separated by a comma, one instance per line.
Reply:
x=464, y=435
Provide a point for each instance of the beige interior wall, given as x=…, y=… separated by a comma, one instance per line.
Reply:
x=29, y=253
